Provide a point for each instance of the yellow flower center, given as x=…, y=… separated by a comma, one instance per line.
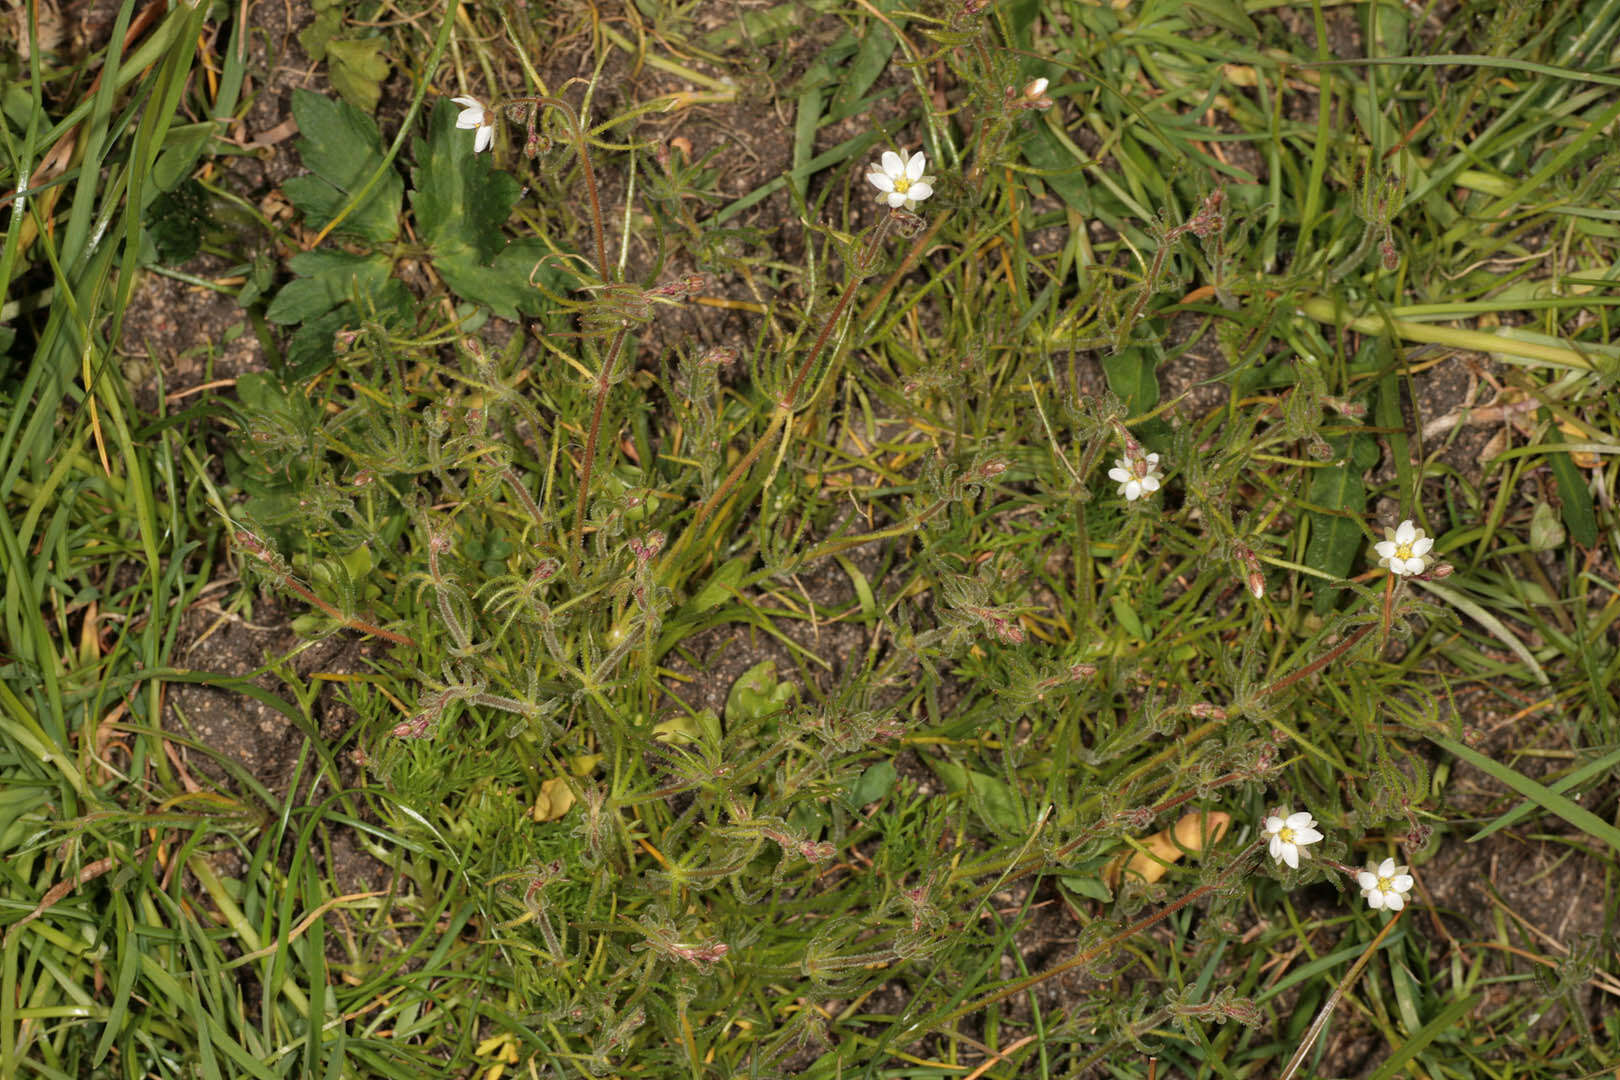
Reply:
x=1403, y=551
x=1285, y=834
x=1385, y=885
x=902, y=184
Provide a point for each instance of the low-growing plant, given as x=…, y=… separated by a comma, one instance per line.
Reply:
x=666, y=885
x=1026, y=643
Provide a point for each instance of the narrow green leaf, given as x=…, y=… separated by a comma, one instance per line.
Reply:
x=1542, y=796
x=1445, y=1021
x=1590, y=770
x=1576, y=497
x=1336, y=539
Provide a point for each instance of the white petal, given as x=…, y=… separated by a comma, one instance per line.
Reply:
x=1276, y=847
x=483, y=140
x=1301, y=820
x=1133, y=490
x=1118, y=476
x=470, y=118
x=1375, y=900
x=921, y=190
x=1387, y=868
x=1291, y=856
x=1405, y=532
x=1415, y=564
x=893, y=165
x=915, y=167
x=469, y=102
x=895, y=199
x=1150, y=483
x=1395, y=901
x=880, y=180
x=1306, y=835
x=1402, y=883
x=1423, y=545
x=1385, y=549
x=1153, y=461
x=1366, y=879
x=1275, y=823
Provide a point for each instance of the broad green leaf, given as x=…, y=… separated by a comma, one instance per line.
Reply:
x=357, y=70
x=460, y=200
x=326, y=279
x=757, y=694
x=1336, y=540
x=328, y=20
x=503, y=286
x=1059, y=169
x=1092, y=888
x=876, y=782
x=997, y=803
x=877, y=46
x=722, y=585
x=461, y=204
x=342, y=148
x=1133, y=375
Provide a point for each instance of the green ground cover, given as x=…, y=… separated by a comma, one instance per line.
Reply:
x=728, y=620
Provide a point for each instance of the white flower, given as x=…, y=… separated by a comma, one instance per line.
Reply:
x=472, y=115
x=1136, y=477
x=1289, y=833
x=1385, y=886
x=1403, y=549
x=900, y=178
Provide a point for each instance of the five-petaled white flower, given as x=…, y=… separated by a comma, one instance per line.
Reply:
x=1289, y=833
x=1385, y=885
x=1136, y=476
x=900, y=179
x=1403, y=549
x=473, y=115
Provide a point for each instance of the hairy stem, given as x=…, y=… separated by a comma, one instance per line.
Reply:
x=604, y=382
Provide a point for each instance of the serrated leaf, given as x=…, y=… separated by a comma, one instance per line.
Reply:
x=461, y=202
x=357, y=70
x=315, y=36
x=325, y=280
x=1336, y=540
x=342, y=148
x=757, y=694
x=503, y=286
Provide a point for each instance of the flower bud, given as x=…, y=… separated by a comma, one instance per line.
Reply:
x=1034, y=95
x=1257, y=585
